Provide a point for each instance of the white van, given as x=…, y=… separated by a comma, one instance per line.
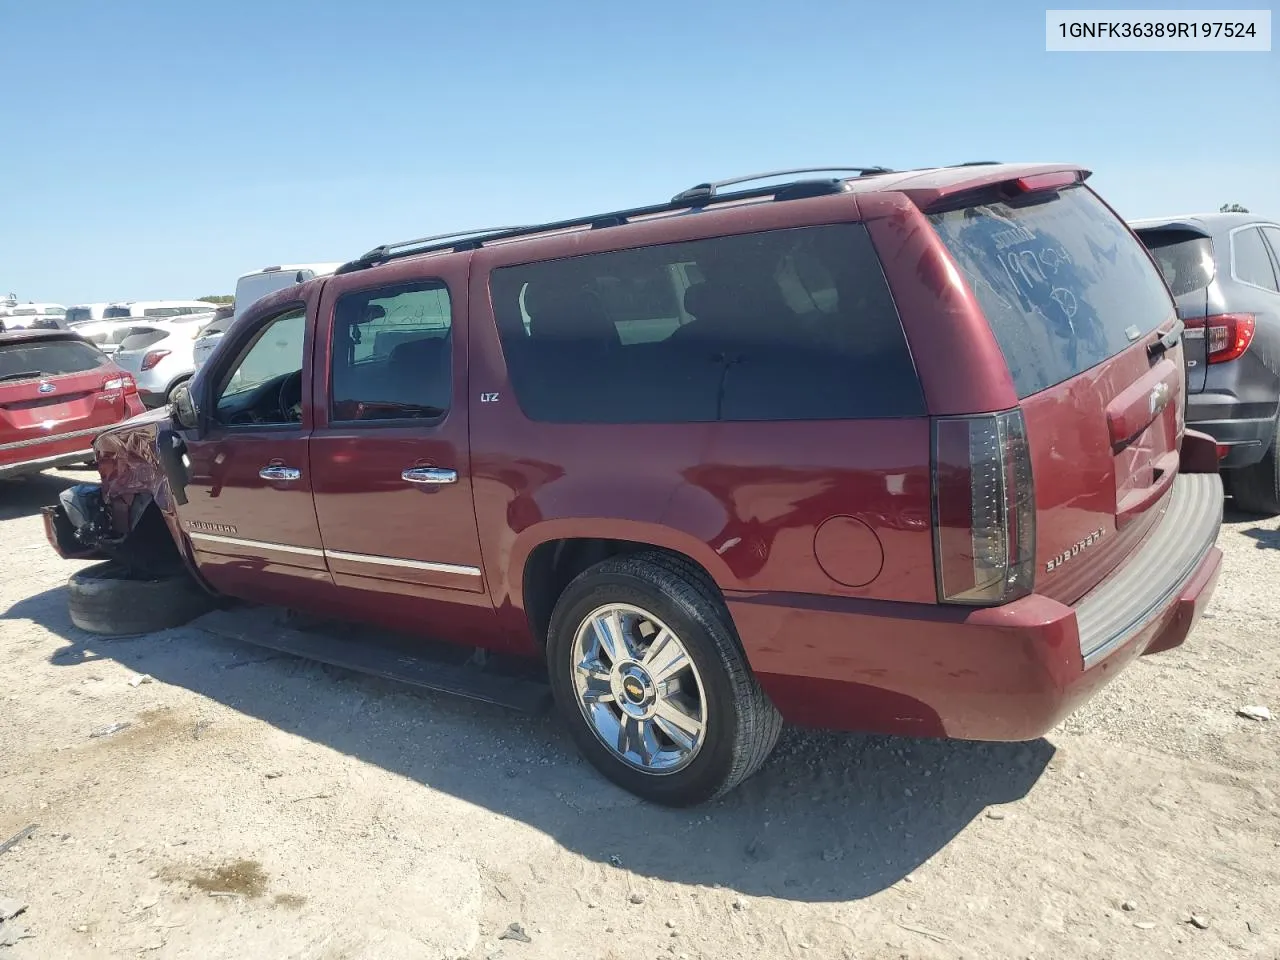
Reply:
x=251, y=288
x=85, y=312
x=156, y=309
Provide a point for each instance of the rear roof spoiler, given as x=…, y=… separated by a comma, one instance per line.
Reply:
x=1173, y=226
x=946, y=186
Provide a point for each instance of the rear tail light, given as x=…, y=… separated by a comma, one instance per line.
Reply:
x=152, y=358
x=1045, y=181
x=984, y=509
x=123, y=382
x=1223, y=450
x=1226, y=336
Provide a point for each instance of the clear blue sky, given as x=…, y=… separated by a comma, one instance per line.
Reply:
x=160, y=149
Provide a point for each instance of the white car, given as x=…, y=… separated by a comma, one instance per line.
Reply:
x=155, y=309
x=160, y=354
x=252, y=287
x=103, y=334
x=23, y=315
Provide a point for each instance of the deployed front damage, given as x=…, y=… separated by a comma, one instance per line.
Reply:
x=130, y=517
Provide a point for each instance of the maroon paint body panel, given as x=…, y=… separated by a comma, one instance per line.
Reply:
x=820, y=534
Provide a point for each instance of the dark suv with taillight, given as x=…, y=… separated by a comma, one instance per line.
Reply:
x=887, y=451
x=1224, y=272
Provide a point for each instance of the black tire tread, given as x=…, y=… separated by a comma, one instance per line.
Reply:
x=1256, y=488
x=687, y=585
x=101, y=601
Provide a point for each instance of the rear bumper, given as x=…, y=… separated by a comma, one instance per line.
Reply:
x=1001, y=673
x=47, y=453
x=1247, y=428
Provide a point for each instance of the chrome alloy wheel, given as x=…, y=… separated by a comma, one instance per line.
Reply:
x=638, y=688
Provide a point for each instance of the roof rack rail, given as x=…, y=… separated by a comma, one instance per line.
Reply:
x=387, y=251
x=473, y=239
x=705, y=192
x=978, y=163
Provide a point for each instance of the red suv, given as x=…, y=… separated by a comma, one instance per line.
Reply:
x=57, y=392
x=899, y=452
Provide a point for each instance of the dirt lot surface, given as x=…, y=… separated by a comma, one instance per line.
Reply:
x=259, y=806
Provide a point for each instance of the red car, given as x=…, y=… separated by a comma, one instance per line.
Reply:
x=57, y=393
x=899, y=452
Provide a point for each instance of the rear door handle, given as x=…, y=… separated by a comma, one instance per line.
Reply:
x=429, y=475
x=277, y=472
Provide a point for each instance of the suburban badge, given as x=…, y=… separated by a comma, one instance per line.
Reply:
x=1075, y=549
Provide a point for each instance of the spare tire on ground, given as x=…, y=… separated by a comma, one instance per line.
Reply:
x=106, y=599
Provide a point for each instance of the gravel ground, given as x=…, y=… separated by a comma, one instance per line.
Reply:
x=268, y=807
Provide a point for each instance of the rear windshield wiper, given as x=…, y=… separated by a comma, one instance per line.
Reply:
x=22, y=375
x=1167, y=342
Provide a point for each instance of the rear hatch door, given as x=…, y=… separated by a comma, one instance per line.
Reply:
x=1079, y=312
x=1184, y=253
x=52, y=388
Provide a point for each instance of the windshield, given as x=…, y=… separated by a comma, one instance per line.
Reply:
x=47, y=358
x=79, y=315
x=1062, y=282
x=115, y=313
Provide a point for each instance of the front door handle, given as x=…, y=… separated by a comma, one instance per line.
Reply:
x=279, y=472
x=429, y=475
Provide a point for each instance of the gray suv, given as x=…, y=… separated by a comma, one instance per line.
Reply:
x=1224, y=272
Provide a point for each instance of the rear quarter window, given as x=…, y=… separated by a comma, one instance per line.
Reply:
x=794, y=324
x=49, y=358
x=1062, y=282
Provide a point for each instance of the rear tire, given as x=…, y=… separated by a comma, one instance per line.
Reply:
x=103, y=599
x=1256, y=488
x=663, y=599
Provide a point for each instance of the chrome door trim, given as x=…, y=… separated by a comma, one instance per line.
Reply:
x=460, y=570
x=258, y=544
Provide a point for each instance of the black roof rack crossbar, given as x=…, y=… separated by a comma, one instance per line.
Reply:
x=473, y=239
x=704, y=192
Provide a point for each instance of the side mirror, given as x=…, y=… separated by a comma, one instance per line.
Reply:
x=183, y=408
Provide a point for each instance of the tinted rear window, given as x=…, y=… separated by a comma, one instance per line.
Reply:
x=115, y=313
x=1061, y=280
x=791, y=324
x=79, y=315
x=139, y=338
x=48, y=359
x=1185, y=259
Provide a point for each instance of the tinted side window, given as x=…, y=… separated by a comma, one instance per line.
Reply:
x=1250, y=259
x=392, y=353
x=791, y=324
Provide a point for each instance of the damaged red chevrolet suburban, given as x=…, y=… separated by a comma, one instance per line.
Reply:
x=900, y=452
